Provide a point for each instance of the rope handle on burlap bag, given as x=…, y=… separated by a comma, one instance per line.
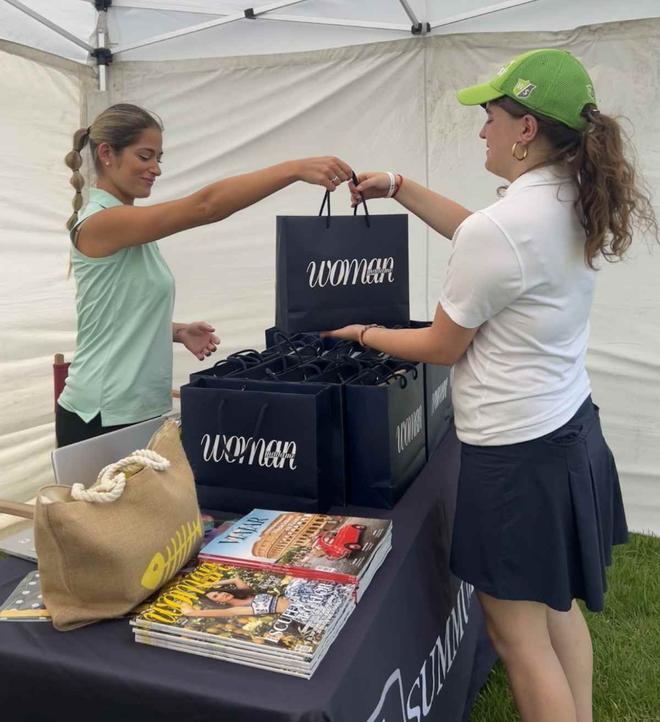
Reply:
x=111, y=481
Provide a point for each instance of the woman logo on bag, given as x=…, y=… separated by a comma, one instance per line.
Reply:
x=408, y=430
x=273, y=454
x=345, y=272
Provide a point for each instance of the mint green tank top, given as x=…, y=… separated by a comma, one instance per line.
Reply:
x=122, y=367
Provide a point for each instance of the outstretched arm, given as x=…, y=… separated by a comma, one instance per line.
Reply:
x=189, y=611
x=112, y=229
x=444, y=342
x=236, y=581
x=442, y=214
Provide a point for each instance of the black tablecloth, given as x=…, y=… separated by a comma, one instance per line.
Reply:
x=414, y=649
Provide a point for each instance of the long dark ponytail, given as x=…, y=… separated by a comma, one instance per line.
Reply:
x=611, y=199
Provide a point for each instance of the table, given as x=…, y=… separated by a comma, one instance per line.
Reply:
x=414, y=649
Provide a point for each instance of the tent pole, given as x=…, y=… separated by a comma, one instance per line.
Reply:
x=179, y=33
x=102, y=53
x=250, y=12
x=50, y=25
x=397, y=27
x=477, y=13
x=418, y=27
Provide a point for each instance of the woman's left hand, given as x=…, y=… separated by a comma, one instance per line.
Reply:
x=347, y=333
x=198, y=338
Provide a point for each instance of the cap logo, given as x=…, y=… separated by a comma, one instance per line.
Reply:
x=523, y=88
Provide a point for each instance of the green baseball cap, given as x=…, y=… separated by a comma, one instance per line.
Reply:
x=550, y=82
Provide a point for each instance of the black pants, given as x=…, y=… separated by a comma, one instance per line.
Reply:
x=70, y=428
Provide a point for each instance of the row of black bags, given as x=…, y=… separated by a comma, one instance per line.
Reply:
x=310, y=423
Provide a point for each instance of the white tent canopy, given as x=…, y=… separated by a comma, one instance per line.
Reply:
x=190, y=29
x=306, y=78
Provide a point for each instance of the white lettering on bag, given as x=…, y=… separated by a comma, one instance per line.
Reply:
x=343, y=272
x=409, y=428
x=273, y=454
x=438, y=396
x=394, y=705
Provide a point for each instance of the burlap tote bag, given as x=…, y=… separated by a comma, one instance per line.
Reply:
x=104, y=549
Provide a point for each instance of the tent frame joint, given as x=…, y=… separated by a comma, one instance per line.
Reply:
x=420, y=28
x=103, y=56
x=102, y=5
x=249, y=14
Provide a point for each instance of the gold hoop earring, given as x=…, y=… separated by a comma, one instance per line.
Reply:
x=515, y=148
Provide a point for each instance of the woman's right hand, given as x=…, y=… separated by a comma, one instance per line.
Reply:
x=326, y=171
x=370, y=185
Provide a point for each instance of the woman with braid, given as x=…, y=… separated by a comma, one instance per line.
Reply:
x=122, y=369
x=539, y=506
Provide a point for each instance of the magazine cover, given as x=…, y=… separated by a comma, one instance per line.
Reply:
x=274, y=662
x=251, y=609
x=312, y=545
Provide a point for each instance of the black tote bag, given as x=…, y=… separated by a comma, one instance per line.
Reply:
x=437, y=393
x=439, y=409
x=260, y=444
x=385, y=438
x=336, y=270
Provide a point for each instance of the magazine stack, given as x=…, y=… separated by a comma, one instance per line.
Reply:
x=258, y=618
x=343, y=549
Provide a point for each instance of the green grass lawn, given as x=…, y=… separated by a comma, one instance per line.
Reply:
x=626, y=639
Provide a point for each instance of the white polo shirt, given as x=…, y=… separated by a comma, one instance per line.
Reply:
x=517, y=271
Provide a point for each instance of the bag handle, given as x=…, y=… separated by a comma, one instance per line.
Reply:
x=257, y=426
x=234, y=364
x=405, y=366
x=363, y=378
x=403, y=381
x=285, y=341
x=326, y=199
x=14, y=508
x=111, y=481
x=247, y=355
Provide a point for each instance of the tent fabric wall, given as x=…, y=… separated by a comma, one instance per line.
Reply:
x=41, y=103
x=381, y=106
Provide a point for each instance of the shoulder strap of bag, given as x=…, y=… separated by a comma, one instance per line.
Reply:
x=111, y=481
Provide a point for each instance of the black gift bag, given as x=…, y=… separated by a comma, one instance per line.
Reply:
x=333, y=271
x=439, y=409
x=259, y=444
x=437, y=393
x=385, y=437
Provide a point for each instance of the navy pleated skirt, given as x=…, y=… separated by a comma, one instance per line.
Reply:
x=537, y=520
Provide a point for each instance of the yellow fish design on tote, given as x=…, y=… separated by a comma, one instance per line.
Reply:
x=163, y=566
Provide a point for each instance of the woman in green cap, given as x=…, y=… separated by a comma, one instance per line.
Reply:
x=539, y=504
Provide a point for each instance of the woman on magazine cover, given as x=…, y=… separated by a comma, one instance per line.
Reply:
x=122, y=369
x=539, y=505
x=308, y=602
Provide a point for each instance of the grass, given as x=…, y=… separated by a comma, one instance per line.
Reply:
x=626, y=639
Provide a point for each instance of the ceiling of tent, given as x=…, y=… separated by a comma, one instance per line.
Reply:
x=221, y=28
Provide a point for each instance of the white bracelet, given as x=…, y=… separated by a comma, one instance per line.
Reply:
x=392, y=179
